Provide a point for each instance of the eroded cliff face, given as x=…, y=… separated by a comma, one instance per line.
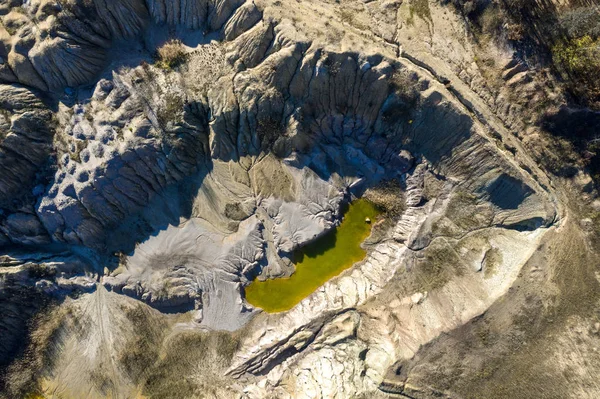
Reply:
x=142, y=198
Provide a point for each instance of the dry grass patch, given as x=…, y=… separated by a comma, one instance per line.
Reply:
x=171, y=55
x=192, y=366
x=440, y=264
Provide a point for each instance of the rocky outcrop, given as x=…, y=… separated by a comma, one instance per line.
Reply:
x=182, y=185
x=52, y=45
x=117, y=158
x=132, y=144
x=25, y=142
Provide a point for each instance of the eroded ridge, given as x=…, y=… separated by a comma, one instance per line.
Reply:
x=177, y=187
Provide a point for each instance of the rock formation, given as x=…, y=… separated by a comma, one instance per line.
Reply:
x=139, y=199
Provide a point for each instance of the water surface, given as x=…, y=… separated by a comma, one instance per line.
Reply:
x=317, y=262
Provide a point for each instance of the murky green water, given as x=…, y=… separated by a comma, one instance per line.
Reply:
x=317, y=262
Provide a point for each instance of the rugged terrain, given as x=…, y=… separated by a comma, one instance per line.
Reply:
x=157, y=156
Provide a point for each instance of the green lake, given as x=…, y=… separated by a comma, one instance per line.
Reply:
x=317, y=262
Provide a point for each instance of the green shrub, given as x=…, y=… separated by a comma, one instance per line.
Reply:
x=578, y=60
x=580, y=22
